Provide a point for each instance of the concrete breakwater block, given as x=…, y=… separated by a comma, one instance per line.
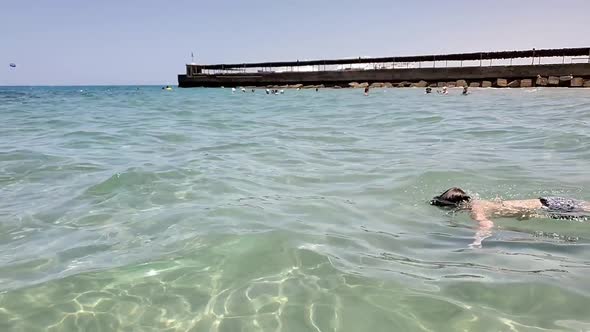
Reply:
x=501, y=82
x=542, y=81
x=461, y=83
x=387, y=85
x=486, y=84
x=441, y=84
x=358, y=85
x=474, y=85
x=577, y=81
x=553, y=80
x=421, y=84
x=376, y=85
x=587, y=83
x=451, y=84
x=514, y=84
x=526, y=83
x=433, y=85
x=565, y=78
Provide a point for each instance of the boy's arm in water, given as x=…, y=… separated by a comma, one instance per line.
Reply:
x=479, y=214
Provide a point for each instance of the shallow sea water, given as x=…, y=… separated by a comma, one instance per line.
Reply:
x=138, y=209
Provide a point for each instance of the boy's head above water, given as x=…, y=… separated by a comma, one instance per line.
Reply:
x=453, y=197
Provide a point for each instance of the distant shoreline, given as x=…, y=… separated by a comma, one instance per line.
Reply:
x=79, y=85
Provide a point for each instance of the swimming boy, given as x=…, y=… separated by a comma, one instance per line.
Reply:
x=482, y=210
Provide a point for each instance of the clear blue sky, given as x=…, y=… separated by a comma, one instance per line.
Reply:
x=63, y=42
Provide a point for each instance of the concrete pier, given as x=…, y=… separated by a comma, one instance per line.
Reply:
x=384, y=72
x=500, y=76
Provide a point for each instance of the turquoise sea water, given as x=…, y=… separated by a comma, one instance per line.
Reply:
x=137, y=209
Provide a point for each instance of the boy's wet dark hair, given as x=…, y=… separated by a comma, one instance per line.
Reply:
x=453, y=197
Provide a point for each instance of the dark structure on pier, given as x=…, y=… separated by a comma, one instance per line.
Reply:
x=245, y=74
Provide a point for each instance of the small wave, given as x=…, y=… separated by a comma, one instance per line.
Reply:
x=128, y=180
